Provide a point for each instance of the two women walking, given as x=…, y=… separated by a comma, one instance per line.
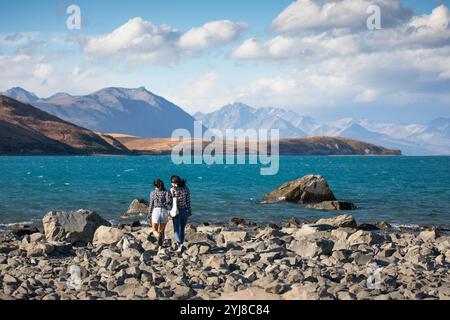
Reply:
x=178, y=199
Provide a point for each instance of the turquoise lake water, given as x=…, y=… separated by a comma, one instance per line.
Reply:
x=400, y=190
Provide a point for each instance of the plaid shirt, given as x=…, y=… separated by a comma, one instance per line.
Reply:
x=159, y=199
x=183, y=196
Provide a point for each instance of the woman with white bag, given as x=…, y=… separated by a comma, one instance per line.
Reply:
x=159, y=202
x=181, y=209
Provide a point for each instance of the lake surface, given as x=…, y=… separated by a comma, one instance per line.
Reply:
x=400, y=190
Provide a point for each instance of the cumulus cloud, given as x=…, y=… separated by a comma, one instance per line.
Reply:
x=314, y=47
x=211, y=34
x=43, y=71
x=422, y=31
x=135, y=41
x=203, y=92
x=141, y=41
x=361, y=79
x=352, y=14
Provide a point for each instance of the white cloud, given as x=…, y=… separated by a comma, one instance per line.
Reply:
x=379, y=77
x=211, y=34
x=204, y=92
x=352, y=14
x=438, y=19
x=135, y=41
x=43, y=70
x=422, y=31
x=313, y=47
x=140, y=41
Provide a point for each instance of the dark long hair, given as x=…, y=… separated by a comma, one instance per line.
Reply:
x=181, y=183
x=159, y=184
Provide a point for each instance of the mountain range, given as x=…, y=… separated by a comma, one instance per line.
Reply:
x=135, y=112
x=432, y=138
x=138, y=112
x=26, y=130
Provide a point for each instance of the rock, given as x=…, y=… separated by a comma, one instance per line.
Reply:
x=130, y=226
x=337, y=205
x=236, y=221
x=368, y=227
x=130, y=291
x=252, y=293
x=129, y=243
x=209, y=229
x=362, y=259
x=72, y=226
x=153, y=293
x=343, y=221
x=37, y=249
x=235, y=236
x=293, y=223
x=344, y=295
x=276, y=288
x=309, y=189
x=137, y=207
x=181, y=292
x=9, y=280
x=365, y=237
x=302, y=292
x=444, y=293
x=341, y=255
x=198, y=237
x=428, y=235
x=309, y=229
x=20, y=230
x=107, y=235
x=310, y=248
x=198, y=248
x=342, y=233
x=37, y=237
x=216, y=261
x=383, y=225
x=251, y=275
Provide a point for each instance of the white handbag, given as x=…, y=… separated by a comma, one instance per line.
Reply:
x=174, y=211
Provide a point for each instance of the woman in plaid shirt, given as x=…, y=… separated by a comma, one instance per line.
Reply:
x=159, y=201
x=183, y=195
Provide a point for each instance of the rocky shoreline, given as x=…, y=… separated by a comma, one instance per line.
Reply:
x=328, y=259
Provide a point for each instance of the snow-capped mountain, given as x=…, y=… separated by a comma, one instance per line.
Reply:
x=431, y=138
x=135, y=112
x=141, y=113
x=242, y=116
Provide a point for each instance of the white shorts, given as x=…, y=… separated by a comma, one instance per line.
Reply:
x=160, y=216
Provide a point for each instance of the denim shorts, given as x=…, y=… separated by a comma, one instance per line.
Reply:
x=160, y=216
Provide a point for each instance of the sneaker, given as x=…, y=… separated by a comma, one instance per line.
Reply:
x=180, y=248
x=160, y=241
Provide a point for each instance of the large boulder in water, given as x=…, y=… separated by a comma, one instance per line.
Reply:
x=72, y=226
x=309, y=189
x=136, y=208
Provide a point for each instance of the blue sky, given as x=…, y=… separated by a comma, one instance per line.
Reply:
x=216, y=52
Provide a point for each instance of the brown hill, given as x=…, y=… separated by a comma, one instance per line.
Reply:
x=25, y=129
x=300, y=146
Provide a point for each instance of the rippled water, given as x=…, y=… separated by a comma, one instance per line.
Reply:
x=401, y=190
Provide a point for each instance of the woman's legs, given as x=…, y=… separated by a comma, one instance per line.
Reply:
x=179, y=225
x=176, y=228
x=161, y=229
x=183, y=222
x=155, y=228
